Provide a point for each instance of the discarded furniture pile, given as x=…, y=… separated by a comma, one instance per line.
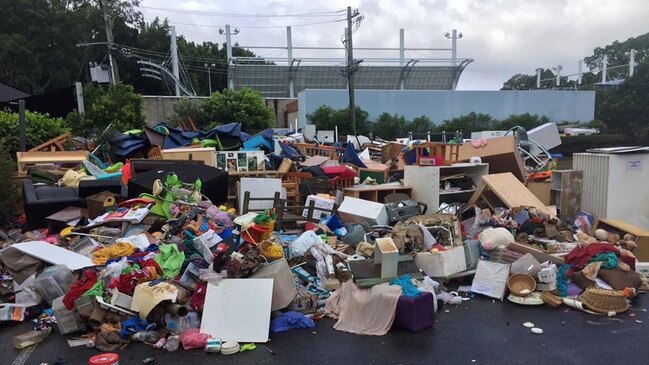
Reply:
x=212, y=240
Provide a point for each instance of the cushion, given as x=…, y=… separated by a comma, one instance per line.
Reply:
x=340, y=170
x=54, y=192
x=619, y=279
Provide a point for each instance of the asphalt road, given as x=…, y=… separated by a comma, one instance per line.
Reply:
x=480, y=331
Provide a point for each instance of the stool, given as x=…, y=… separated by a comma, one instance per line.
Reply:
x=415, y=313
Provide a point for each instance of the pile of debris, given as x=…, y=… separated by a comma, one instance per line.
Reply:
x=160, y=254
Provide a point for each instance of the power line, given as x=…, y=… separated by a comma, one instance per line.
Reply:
x=260, y=26
x=241, y=15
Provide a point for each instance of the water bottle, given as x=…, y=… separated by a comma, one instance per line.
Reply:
x=145, y=336
x=30, y=338
x=172, y=343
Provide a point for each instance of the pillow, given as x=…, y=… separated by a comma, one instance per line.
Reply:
x=491, y=238
x=619, y=279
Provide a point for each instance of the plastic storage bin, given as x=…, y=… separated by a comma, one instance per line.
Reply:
x=54, y=282
x=68, y=321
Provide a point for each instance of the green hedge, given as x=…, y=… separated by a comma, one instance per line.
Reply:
x=39, y=128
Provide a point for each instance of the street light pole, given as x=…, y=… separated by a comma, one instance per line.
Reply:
x=209, y=75
x=453, y=36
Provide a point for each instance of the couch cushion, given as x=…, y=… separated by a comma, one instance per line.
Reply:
x=53, y=192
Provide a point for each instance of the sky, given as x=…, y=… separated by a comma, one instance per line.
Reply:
x=504, y=37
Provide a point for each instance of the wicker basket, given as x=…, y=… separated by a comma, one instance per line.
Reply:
x=551, y=299
x=603, y=300
x=521, y=285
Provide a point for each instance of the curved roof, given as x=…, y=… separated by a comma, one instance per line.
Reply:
x=273, y=81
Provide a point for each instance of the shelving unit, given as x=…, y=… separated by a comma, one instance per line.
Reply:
x=565, y=191
x=376, y=193
x=425, y=182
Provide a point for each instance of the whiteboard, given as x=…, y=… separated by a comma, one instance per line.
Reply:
x=54, y=254
x=238, y=310
x=259, y=188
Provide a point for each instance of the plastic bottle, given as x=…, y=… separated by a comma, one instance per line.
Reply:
x=178, y=325
x=145, y=336
x=30, y=338
x=172, y=343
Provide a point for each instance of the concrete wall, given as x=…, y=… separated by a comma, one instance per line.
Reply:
x=443, y=105
x=161, y=109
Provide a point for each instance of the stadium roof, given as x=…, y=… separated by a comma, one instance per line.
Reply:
x=274, y=81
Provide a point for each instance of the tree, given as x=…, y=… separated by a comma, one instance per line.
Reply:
x=39, y=128
x=528, y=82
x=389, y=127
x=626, y=110
x=327, y=118
x=187, y=109
x=617, y=54
x=8, y=195
x=116, y=104
x=471, y=122
x=419, y=126
x=245, y=106
x=527, y=121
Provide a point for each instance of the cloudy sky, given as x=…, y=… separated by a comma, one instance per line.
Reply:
x=504, y=37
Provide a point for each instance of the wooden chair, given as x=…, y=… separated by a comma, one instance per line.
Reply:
x=292, y=191
x=288, y=214
x=293, y=176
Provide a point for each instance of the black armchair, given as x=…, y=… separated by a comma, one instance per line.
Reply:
x=39, y=202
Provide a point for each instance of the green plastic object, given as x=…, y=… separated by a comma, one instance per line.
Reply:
x=161, y=206
x=211, y=143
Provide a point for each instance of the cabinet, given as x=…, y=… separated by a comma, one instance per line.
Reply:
x=434, y=185
x=376, y=193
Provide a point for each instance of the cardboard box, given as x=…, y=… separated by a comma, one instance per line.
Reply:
x=620, y=227
x=442, y=264
x=540, y=189
x=320, y=202
x=386, y=254
x=491, y=279
x=353, y=210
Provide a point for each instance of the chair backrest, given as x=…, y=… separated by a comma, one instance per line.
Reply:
x=296, y=176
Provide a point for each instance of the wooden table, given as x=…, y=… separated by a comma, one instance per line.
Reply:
x=376, y=193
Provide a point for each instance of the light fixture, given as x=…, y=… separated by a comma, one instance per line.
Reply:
x=447, y=35
x=236, y=30
x=460, y=35
x=221, y=31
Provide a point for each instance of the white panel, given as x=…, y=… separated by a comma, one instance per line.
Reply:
x=595, y=183
x=238, y=310
x=54, y=254
x=259, y=188
x=424, y=181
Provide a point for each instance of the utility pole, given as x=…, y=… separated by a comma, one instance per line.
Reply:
x=351, y=67
x=580, y=73
x=454, y=36
x=209, y=75
x=174, y=59
x=538, y=77
x=558, y=70
x=114, y=73
x=604, y=65
x=228, y=44
x=632, y=62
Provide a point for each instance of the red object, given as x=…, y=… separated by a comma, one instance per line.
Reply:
x=431, y=161
x=254, y=234
x=341, y=170
x=126, y=173
x=104, y=359
x=197, y=300
x=84, y=284
x=310, y=226
x=132, y=202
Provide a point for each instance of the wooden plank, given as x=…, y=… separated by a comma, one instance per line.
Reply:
x=32, y=158
x=53, y=144
x=512, y=192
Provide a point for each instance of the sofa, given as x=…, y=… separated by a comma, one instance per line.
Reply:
x=41, y=201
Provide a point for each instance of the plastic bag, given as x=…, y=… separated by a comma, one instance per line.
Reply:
x=193, y=339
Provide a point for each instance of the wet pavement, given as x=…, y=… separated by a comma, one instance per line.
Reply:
x=480, y=331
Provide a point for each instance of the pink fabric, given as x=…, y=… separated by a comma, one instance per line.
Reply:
x=364, y=311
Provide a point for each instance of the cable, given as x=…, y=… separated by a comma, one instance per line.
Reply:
x=240, y=15
x=259, y=27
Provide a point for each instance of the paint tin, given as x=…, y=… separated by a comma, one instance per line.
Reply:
x=104, y=359
x=213, y=345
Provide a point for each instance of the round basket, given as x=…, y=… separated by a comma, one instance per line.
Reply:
x=521, y=285
x=603, y=300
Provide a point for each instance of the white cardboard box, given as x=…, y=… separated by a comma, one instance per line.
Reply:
x=442, y=264
x=360, y=210
x=491, y=279
x=386, y=254
x=320, y=202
